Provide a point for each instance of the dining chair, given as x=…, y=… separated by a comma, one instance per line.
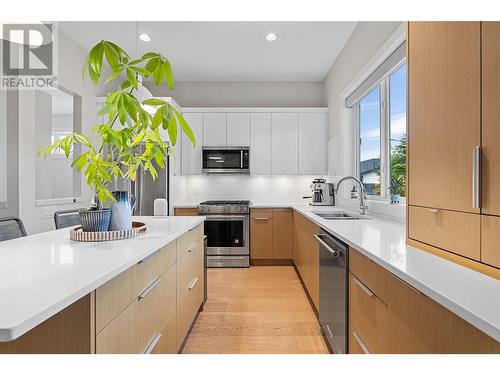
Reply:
x=66, y=218
x=10, y=228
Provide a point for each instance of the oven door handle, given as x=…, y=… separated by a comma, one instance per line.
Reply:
x=226, y=217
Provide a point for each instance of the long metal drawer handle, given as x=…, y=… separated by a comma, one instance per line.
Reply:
x=333, y=252
x=476, y=167
x=361, y=343
x=260, y=218
x=363, y=287
x=330, y=333
x=148, y=290
x=144, y=260
x=192, y=283
x=152, y=343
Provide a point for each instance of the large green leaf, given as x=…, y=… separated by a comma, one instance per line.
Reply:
x=154, y=101
x=172, y=130
x=185, y=127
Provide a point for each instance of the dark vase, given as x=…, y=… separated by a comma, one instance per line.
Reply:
x=95, y=220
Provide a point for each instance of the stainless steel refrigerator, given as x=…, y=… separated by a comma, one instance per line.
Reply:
x=145, y=190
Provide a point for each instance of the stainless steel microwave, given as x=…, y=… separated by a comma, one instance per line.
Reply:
x=226, y=160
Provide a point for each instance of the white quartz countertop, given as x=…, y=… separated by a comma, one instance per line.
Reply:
x=42, y=274
x=471, y=295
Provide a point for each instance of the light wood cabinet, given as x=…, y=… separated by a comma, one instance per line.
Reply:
x=260, y=143
x=282, y=233
x=490, y=141
x=214, y=129
x=444, y=81
x=185, y=211
x=312, y=145
x=285, y=140
x=457, y=232
x=261, y=234
x=453, y=91
x=271, y=235
x=114, y=296
x=238, y=129
x=138, y=311
x=191, y=154
x=490, y=240
x=368, y=317
x=407, y=321
x=306, y=254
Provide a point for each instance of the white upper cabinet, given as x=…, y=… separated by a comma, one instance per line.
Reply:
x=191, y=155
x=238, y=129
x=285, y=138
x=260, y=143
x=214, y=129
x=312, y=143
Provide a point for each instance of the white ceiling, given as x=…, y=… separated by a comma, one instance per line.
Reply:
x=228, y=51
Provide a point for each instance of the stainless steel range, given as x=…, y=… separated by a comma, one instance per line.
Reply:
x=227, y=227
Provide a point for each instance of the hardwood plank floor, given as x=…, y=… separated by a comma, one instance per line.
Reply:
x=261, y=309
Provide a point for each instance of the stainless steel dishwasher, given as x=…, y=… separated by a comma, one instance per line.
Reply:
x=333, y=300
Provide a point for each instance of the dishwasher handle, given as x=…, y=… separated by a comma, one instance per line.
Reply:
x=319, y=238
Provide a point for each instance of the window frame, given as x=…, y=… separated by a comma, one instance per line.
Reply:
x=385, y=136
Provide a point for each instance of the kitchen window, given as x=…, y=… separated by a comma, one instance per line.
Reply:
x=379, y=106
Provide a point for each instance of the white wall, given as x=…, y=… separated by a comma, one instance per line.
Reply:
x=71, y=58
x=258, y=189
x=366, y=40
x=245, y=94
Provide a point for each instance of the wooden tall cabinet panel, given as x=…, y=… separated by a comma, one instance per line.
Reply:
x=490, y=143
x=282, y=233
x=306, y=254
x=444, y=77
x=261, y=234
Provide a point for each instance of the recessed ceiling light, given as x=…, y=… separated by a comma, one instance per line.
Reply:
x=144, y=37
x=271, y=37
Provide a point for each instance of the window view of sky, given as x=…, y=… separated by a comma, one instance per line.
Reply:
x=397, y=98
x=370, y=133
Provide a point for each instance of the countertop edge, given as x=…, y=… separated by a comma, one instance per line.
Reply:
x=13, y=333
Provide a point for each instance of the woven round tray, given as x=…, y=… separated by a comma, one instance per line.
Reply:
x=77, y=234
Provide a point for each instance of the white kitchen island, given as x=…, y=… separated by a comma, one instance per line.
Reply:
x=92, y=289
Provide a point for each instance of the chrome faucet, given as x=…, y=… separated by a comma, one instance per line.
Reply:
x=362, y=206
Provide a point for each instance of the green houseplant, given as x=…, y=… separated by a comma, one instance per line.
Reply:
x=130, y=140
x=396, y=187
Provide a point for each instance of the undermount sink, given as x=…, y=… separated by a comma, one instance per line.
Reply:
x=339, y=215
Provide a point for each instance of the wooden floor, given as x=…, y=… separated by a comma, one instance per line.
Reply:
x=256, y=310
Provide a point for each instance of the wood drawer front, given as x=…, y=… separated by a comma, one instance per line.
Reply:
x=189, y=272
x=132, y=330
x=114, y=296
x=261, y=213
x=490, y=240
x=369, y=273
x=457, y=232
x=189, y=240
x=367, y=315
x=168, y=340
x=186, y=211
x=187, y=310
